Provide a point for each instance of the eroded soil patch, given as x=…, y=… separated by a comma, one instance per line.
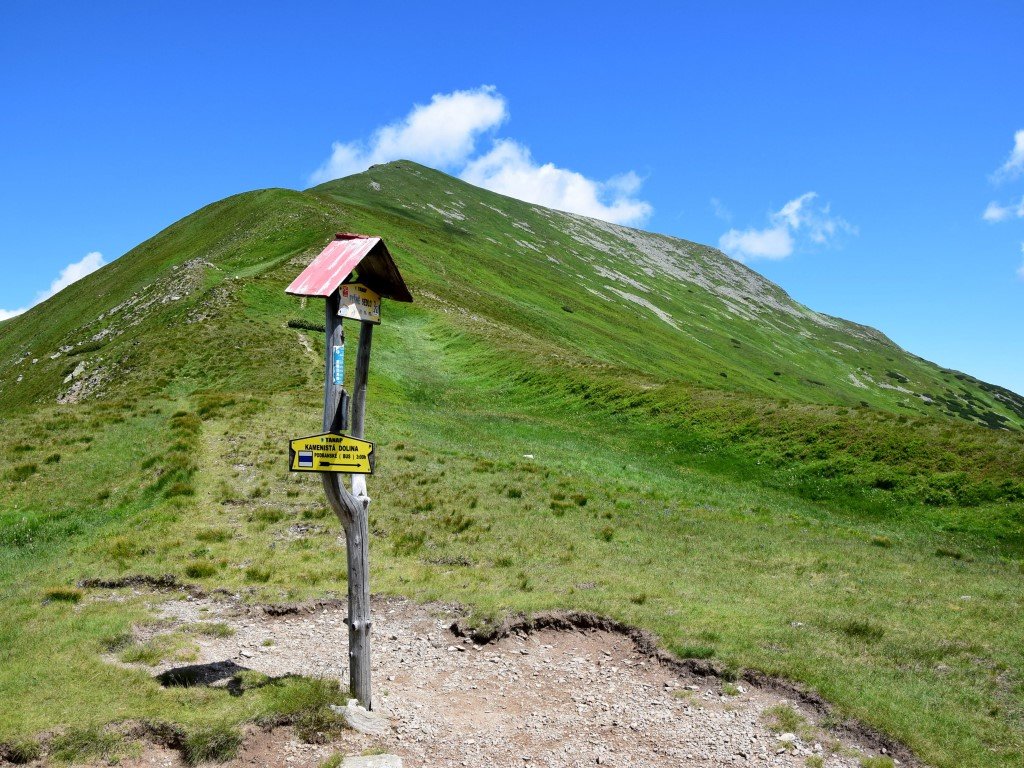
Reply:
x=564, y=696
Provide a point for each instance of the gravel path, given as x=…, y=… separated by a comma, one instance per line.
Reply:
x=551, y=698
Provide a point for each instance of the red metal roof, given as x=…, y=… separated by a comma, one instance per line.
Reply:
x=347, y=252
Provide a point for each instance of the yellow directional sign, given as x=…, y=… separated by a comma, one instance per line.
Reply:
x=331, y=452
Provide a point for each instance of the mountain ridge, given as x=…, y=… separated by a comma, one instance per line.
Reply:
x=621, y=266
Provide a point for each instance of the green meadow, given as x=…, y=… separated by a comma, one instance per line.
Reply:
x=569, y=416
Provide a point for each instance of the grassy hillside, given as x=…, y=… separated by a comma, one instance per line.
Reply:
x=749, y=479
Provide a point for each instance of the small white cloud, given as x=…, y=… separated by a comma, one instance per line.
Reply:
x=71, y=273
x=720, y=211
x=772, y=243
x=792, y=213
x=1014, y=164
x=509, y=169
x=800, y=216
x=441, y=134
x=994, y=212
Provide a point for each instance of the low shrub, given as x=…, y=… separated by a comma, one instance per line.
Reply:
x=200, y=570
x=23, y=472
x=62, y=595
x=306, y=325
x=258, y=574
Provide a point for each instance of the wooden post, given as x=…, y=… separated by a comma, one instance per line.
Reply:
x=359, y=396
x=368, y=258
x=351, y=508
x=362, y=374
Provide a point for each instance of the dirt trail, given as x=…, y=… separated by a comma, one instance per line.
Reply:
x=548, y=698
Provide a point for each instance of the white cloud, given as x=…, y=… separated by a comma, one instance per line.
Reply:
x=720, y=211
x=442, y=134
x=1014, y=164
x=799, y=217
x=509, y=169
x=73, y=272
x=793, y=213
x=995, y=212
x=771, y=243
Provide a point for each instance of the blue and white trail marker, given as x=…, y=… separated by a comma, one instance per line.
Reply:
x=339, y=365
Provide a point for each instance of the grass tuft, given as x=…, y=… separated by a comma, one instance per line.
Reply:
x=876, y=762
x=212, y=629
x=696, y=651
x=862, y=629
x=334, y=761
x=214, y=535
x=63, y=595
x=155, y=650
x=268, y=515
x=116, y=642
x=85, y=744
x=257, y=574
x=23, y=472
x=22, y=751
x=319, y=726
x=782, y=718
x=216, y=743
x=200, y=570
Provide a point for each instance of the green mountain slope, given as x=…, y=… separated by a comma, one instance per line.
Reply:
x=662, y=308
x=668, y=309
x=786, y=481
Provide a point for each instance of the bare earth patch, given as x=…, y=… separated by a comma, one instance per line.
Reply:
x=547, y=698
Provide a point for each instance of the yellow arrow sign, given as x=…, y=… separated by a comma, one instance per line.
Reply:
x=331, y=452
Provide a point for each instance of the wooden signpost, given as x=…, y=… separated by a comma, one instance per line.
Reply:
x=335, y=453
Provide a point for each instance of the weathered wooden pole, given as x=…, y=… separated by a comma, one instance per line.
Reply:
x=334, y=453
x=351, y=508
x=359, y=396
x=362, y=374
x=358, y=541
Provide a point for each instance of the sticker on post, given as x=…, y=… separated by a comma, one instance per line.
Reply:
x=331, y=452
x=359, y=303
x=339, y=365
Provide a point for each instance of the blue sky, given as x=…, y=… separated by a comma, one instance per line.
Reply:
x=848, y=151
